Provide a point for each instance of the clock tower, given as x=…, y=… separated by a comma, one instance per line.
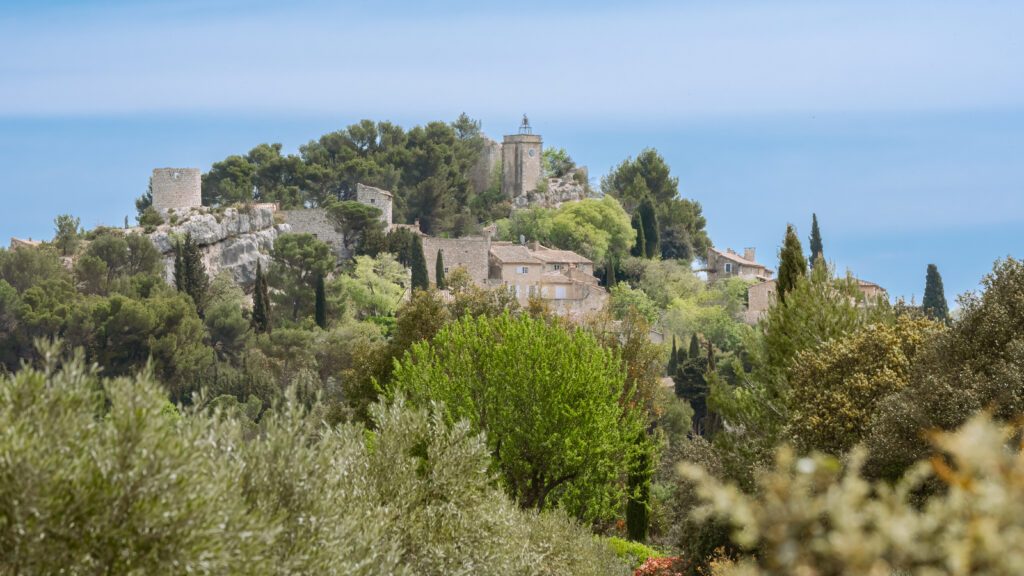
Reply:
x=521, y=161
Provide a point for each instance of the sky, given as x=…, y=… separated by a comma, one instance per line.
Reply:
x=900, y=124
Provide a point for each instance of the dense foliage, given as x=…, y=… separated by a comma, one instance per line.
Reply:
x=569, y=447
x=104, y=476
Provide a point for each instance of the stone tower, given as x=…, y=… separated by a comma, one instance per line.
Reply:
x=176, y=188
x=520, y=161
x=377, y=198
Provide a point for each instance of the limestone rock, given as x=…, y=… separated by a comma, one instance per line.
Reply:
x=569, y=188
x=233, y=240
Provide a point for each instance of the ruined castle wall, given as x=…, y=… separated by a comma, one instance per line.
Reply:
x=481, y=173
x=176, y=188
x=470, y=252
x=315, y=221
x=377, y=198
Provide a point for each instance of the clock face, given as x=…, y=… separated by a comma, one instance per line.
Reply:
x=531, y=152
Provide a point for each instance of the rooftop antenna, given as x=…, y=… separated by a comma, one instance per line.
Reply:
x=522, y=239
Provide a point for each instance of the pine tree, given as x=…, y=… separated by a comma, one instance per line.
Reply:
x=817, y=249
x=640, y=248
x=639, y=485
x=439, y=271
x=649, y=223
x=792, y=264
x=321, y=302
x=934, y=302
x=260, y=303
x=694, y=347
x=420, y=279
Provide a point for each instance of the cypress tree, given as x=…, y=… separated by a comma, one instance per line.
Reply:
x=609, y=273
x=439, y=271
x=190, y=272
x=420, y=279
x=934, y=302
x=640, y=248
x=673, y=359
x=179, y=267
x=649, y=223
x=694, y=346
x=321, y=302
x=817, y=249
x=792, y=264
x=260, y=303
x=639, y=484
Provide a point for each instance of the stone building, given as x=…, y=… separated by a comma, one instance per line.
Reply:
x=521, y=164
x=468, y=252
x=563, y=279
x=23, y=243
x=761, y=296
x=176, y=189
x=377, y=198
x=729, y=264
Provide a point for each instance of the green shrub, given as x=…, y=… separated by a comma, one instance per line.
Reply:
x=633, y=552
x=101, y=476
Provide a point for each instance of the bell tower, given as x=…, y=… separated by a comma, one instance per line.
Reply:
x=521, y=161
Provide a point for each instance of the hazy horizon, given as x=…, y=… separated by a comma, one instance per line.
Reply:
x=903, y=129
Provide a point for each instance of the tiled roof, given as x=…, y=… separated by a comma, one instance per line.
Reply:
x=549, y=255
x=737, y=258
x=509, y=253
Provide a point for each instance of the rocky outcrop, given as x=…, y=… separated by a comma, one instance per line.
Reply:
x=571, y=187
x=232, y=240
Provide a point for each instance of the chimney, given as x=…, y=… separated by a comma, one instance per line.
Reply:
x=534, y=246
x=730, y=251
x=416, y=223
x=748, y=254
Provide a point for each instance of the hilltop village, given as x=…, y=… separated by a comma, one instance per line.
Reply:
x=403, y=329
x=236, y=238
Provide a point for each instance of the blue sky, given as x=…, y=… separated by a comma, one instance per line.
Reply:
x=900, y=123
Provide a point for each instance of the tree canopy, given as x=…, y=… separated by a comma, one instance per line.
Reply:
x=568, y=448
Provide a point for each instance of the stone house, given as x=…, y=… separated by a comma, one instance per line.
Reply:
x=761, y=297
x=562, y=278
x=729, y=264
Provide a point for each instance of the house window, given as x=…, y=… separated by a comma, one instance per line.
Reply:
x=556, y=266
x=373, y=200
x=559, y=292
x=728, y=267
x=524, y=270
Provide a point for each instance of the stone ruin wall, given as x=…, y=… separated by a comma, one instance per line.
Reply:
x=469, y=252
x=315, y=221
x=377, y=198
x=176, y=189
x=482, y=172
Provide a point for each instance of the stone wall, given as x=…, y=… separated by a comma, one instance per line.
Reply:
x=176, y=189
x=470, y=252
x=315, y=221
x=377, y=198
x=481, y=173
x=232, y=240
